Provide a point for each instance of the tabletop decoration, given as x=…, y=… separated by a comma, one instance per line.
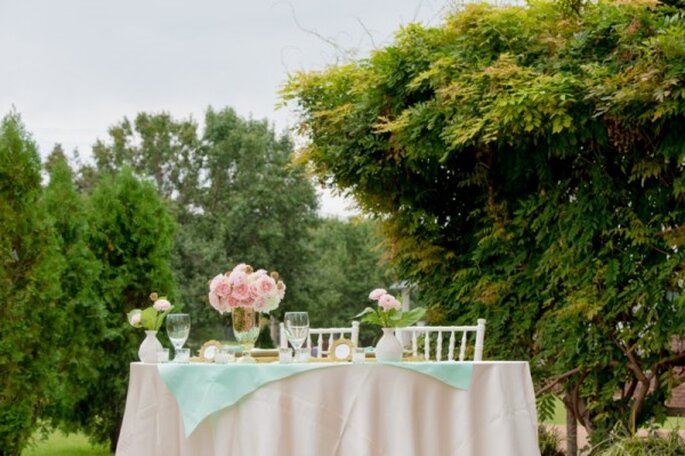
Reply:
x=341, y=350
x=151, y=320
x=245, y=292
x=209, y=350
x=388, y=316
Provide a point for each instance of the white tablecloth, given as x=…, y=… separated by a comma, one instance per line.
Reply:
x=355, y=410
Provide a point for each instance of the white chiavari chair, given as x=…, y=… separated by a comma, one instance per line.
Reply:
x=453, y=331
x=327, y=335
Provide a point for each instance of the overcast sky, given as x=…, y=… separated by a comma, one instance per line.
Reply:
x=72, y=68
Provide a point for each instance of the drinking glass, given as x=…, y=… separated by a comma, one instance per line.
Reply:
x=296, y=328
x=178, y=328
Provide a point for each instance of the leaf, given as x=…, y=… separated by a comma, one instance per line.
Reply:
x=370, y=315
x=148, y=318
x=161, y=317
x=410, y=317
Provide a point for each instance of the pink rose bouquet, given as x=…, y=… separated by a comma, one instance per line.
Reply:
x=152, y=317
x=389, y=312
x=245, y=287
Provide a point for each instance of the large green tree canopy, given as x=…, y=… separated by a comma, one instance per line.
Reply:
x=527, y=164
x=234, y=195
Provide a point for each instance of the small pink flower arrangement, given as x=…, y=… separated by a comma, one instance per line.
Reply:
x=245, y=287
x=389, y=312
x=152, y=317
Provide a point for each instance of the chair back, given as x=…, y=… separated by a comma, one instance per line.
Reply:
x=426, y=331
x=320, y=334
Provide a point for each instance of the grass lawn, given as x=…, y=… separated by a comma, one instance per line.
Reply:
x=560, y=418
x=58, y=444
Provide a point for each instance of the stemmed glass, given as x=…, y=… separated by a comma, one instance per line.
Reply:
x=296, y=329
x=178, y=329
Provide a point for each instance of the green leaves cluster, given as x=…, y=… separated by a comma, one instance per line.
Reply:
x=527, y=167
x=391, y=318
x=150, y=318
x=234, y=195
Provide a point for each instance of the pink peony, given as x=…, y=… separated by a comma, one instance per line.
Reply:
x=233, y=302
x=388, y=301
x=242, y=267
x=161, y=305
x=241, y=291
x=237, y=278
x=215, y=302
x=377, y=293
x=215, y=282
x=266, y=286
x=259, y=273
x=259, y=304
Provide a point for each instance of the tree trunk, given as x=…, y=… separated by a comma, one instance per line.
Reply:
x=571, y=433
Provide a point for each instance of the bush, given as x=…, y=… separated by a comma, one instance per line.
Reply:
x=653, y=445
x=31, y=321
x=549, y=442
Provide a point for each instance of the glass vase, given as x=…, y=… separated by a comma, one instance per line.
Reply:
x=246, y=330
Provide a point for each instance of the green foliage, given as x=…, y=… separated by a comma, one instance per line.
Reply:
x=546, y=405
x=527, y=167
x=549, y=441
x=131, y=236
x=234, y=195
x=58, y=444
x=391, y=318
x=671, y=444
x=345, y=267
x=83, y=312
x=31, y=321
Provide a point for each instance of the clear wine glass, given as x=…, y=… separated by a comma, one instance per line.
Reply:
x=296, y=329
x=178, y=329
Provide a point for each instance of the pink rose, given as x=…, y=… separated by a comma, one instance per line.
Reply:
x=259, y=273
x=242, y=267
x=388, y=301
x=259, y=304
x=254, y=290
x=135, y=319
x=233, y=302
x=223, y=290
x=161, y=305
x=377, y=293
x=266, y=286
x=237, y=277
x=241, y=291
x=215, y=281
x=245, y=303
x=215, y=302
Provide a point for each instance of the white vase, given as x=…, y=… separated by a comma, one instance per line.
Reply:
x=389, y=348
x=149, y=348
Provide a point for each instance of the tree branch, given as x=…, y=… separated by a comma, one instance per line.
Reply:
x=555, y=380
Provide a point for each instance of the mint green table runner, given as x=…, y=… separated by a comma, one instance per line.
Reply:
x=202, y=389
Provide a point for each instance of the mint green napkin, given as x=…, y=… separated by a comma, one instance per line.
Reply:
x=202, y=389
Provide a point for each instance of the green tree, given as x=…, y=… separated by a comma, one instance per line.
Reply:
x=346, y=266
x=31, y=320
x=234, y=194
x=527, y=166
x=76, y=365
x=131, y=235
